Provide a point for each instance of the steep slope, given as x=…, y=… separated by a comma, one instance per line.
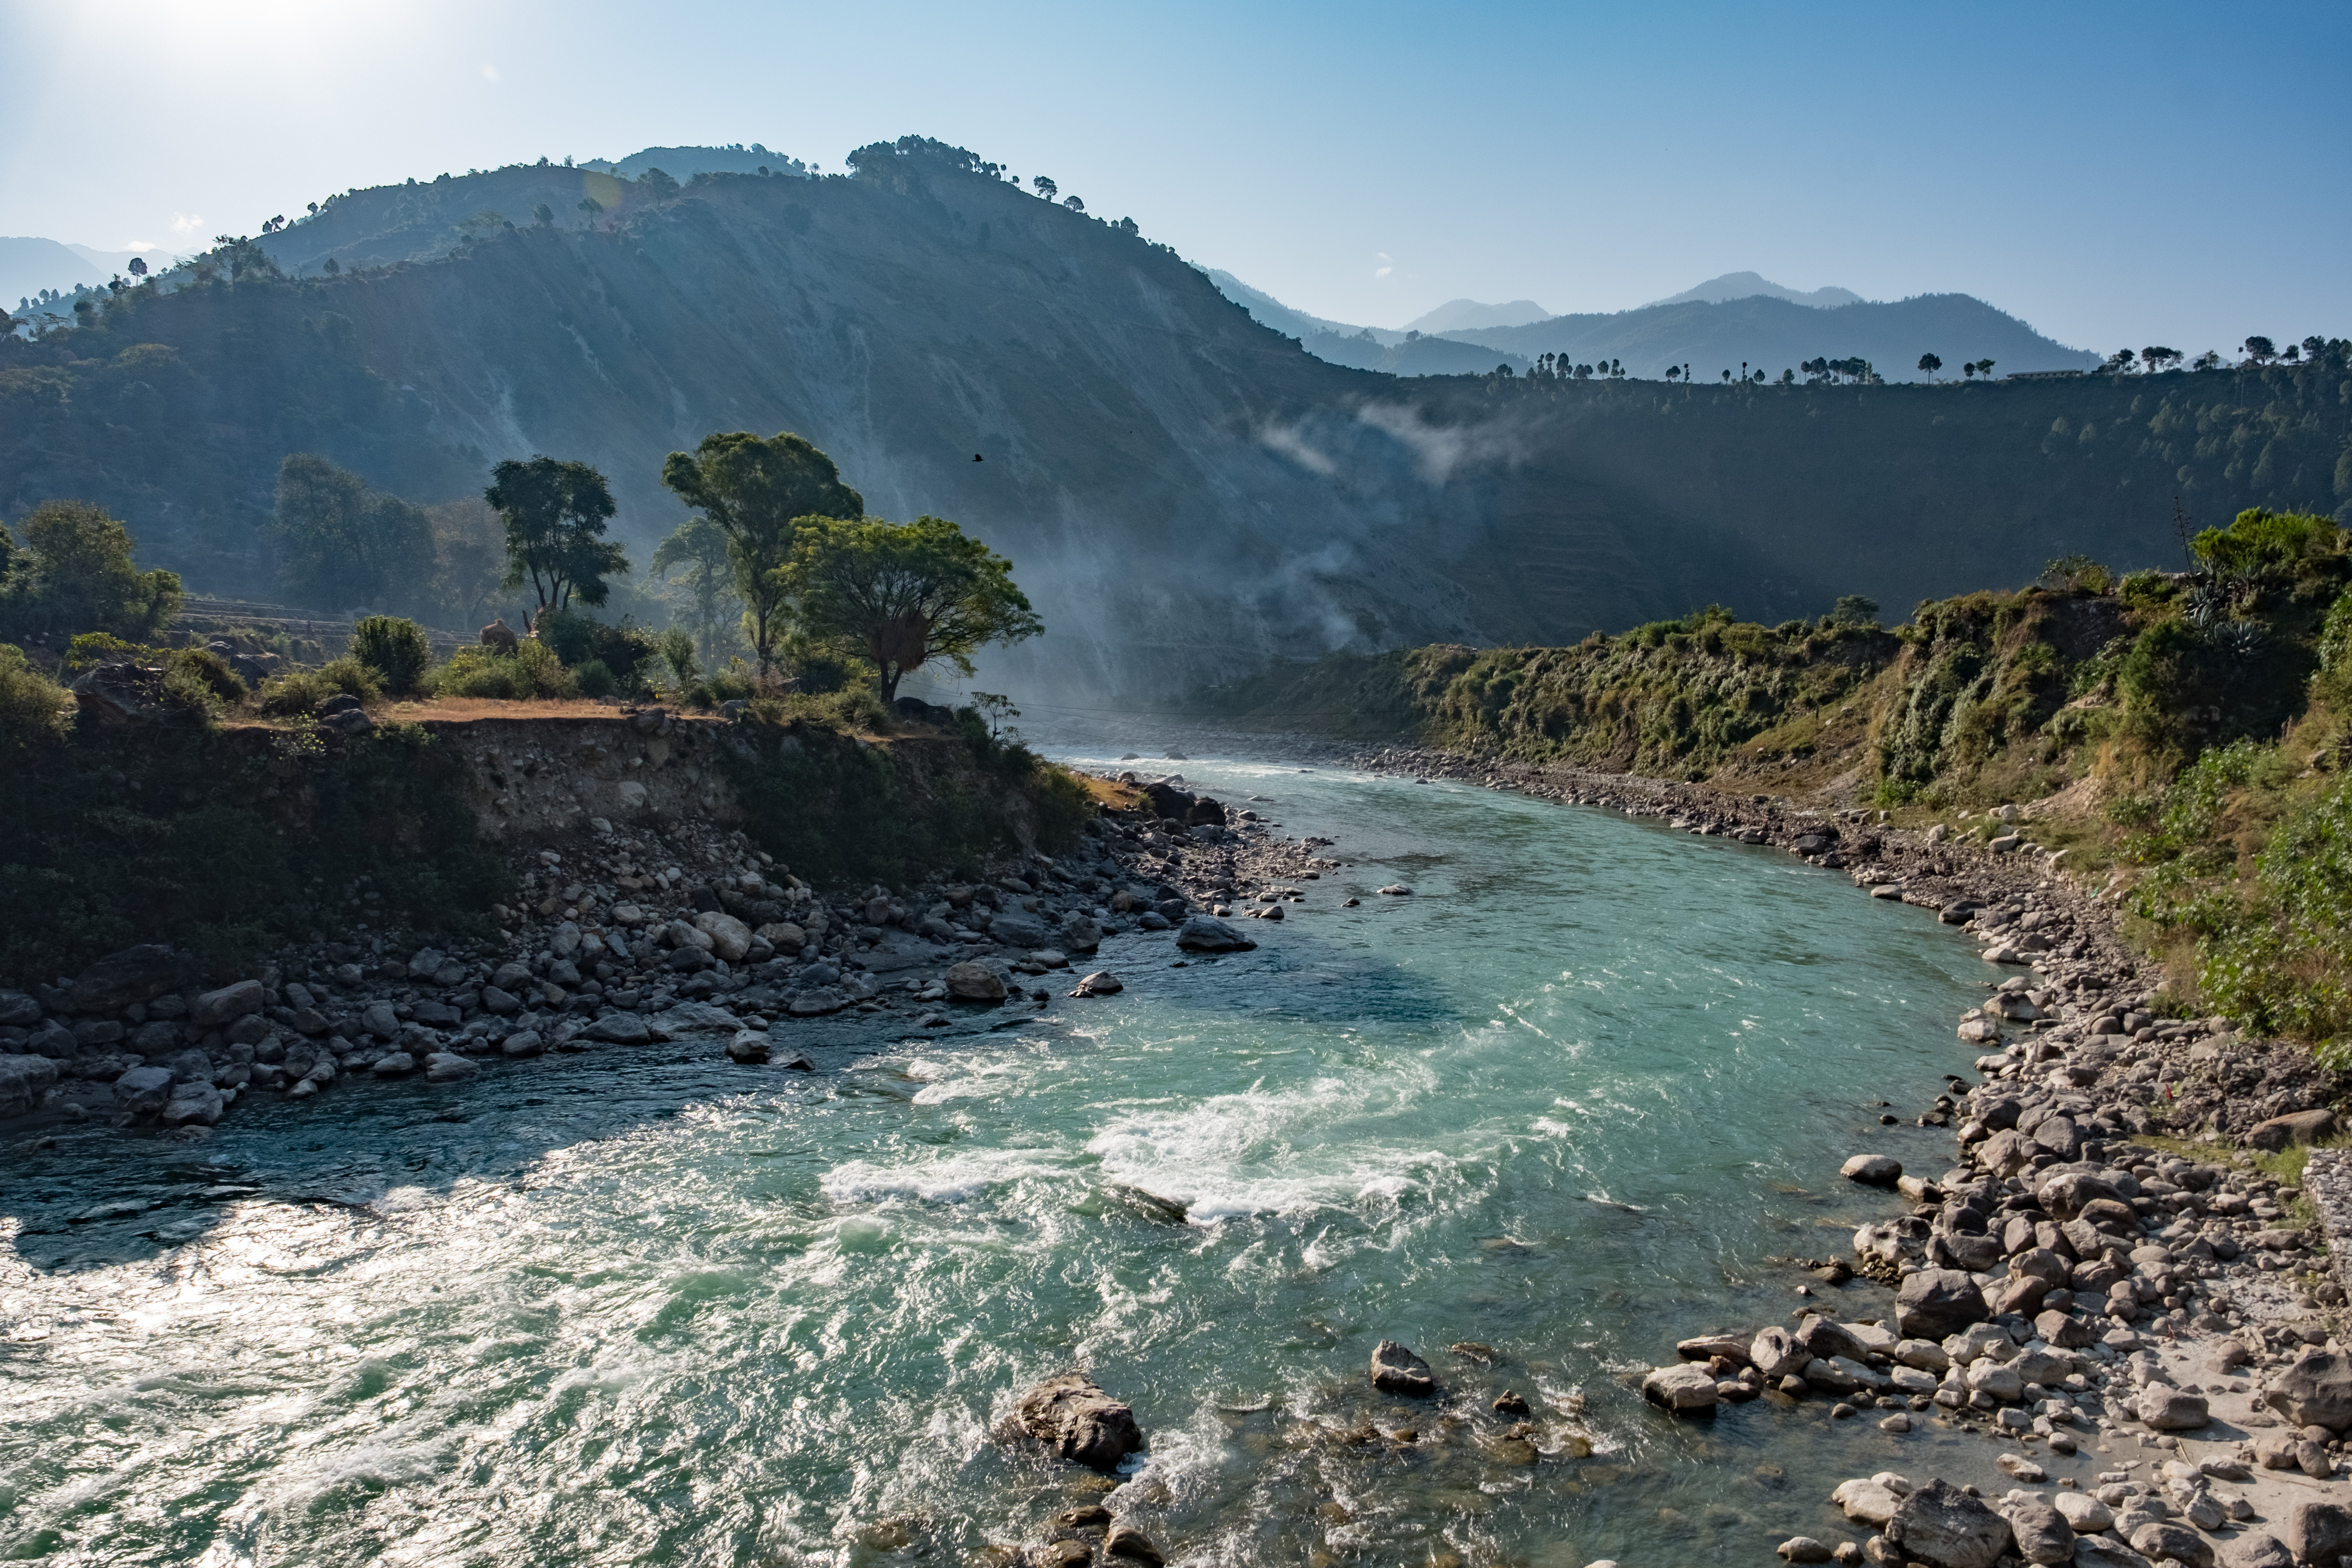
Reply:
x=1774, y=335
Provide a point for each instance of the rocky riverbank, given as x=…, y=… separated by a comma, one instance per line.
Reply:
x=628, y=933
x=2105, y=1284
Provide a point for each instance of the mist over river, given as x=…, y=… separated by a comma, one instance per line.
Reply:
x=1569, y=1099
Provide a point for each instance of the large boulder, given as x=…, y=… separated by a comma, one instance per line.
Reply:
x=1396, y=1370
x=620, y=1029
x=2042, y=1533
x=19, y=1011
x=1825, y=1337
x=1071, y=1416
x=1776, y=1353
x=1206, y=934
x=1867, y=1500
x=2169, y=1410
x=192, y=1102
x=2169, y=1540
x=25, y=1082
x=2066, y=1194
x=2296, y=1127
x=1015, y=929
x=2320, y=1531
x=1873, y=1170
x=143, y=1091
x=135, y=974
x=1080, y=933
x=2314, y=1391
x=969, y=982
x=1936, y=1302
x=730, y=938
x=1686, y=1388
x=1940, y=1525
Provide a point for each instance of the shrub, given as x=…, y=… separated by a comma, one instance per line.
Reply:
x=577, y=639
x=593, y=680
x=533, y=670
x=32, y=706
x=676, y=645
x=198, y=677
x=93, y=649
x=2077, y=575
x=301, y=690
x=2260, y=539
x=396, y=649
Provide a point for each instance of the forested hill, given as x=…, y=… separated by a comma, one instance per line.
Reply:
x=1183, y=493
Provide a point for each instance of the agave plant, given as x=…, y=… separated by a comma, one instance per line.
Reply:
x=2239, y=641
x=2207, y=606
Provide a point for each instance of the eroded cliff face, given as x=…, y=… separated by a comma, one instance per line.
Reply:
x=543, y=777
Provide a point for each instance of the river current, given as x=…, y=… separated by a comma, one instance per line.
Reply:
x=1571, y=1100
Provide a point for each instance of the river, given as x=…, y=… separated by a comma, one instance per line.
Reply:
x=1567, y=1099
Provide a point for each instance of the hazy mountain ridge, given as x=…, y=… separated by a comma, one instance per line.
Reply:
x=1184, y=492
x=29, y=265
x=1733, y=285
x=1468, y=315
x=1773, y=332
x=1774, y=335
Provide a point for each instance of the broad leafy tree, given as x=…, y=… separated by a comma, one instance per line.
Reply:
x=907, y=594
x=75, y=574
x=1930, y=365
x=555, y=515
x=342, y=545
x=758, y=492
x=2261, y=350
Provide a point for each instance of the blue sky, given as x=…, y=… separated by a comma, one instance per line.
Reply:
x=2116, y=175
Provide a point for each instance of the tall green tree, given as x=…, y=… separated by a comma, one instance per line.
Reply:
x=907, y=594
x=758, y=492
x=76, y=575
x=342, y=545
x=698, y=551
x=1930, y=364
x=555, y=515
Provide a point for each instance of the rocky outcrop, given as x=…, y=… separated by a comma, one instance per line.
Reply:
x=1074, y=1418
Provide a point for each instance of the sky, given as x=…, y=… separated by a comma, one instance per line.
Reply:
x=2116, y=175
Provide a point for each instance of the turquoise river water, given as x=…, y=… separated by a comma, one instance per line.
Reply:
x=1569, y=1100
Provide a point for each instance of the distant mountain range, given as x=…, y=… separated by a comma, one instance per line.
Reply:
x=1750, y=285
x=1737, y=322
x=28, y=266
x=1468, y=315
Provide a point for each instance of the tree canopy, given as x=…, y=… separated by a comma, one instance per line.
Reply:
x=907, y=594
x=757, y=492
x=75, y=574
x=340, y=545
x=555, y=516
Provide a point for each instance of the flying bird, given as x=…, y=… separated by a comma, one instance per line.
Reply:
x=976, y=458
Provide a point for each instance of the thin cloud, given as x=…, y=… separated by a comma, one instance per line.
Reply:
x=187, y=223
x=1387, y=265
x=490, y=74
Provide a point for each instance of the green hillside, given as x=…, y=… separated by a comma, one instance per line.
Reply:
x=1184, y=492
